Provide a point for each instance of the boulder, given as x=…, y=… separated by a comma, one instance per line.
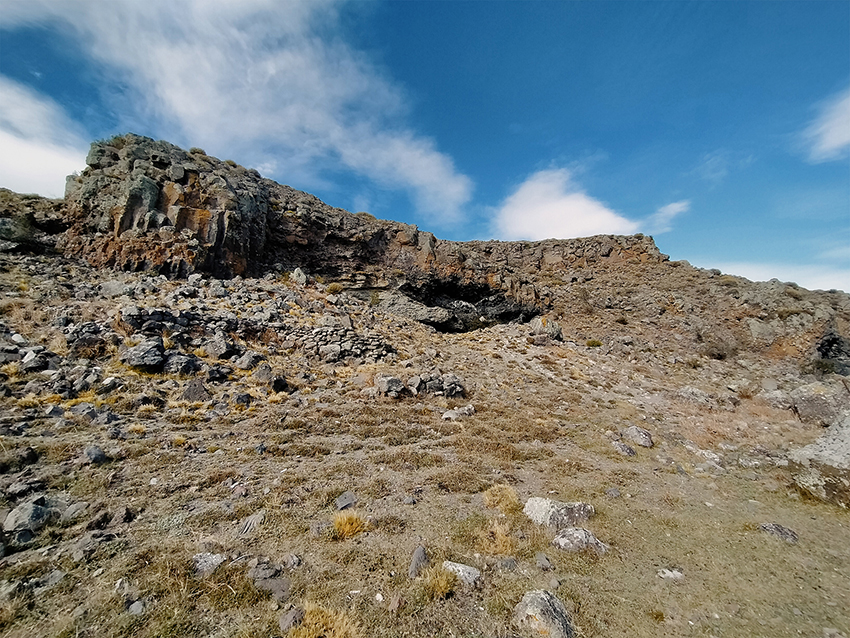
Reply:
x=540, y=613
x=822, y=469
x=821, y=403
x=545, y=511
x=578, y=539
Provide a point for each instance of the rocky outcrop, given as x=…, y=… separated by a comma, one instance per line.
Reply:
x=147, y=205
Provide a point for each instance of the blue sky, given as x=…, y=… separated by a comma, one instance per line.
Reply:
x=720, y=128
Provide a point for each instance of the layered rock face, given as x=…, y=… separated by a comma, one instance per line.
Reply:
x=148, y=205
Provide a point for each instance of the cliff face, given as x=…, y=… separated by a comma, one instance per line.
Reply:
x=147, y=205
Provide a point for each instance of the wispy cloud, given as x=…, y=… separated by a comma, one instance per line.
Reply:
x=811, y=276
x=550, y=205
x=270, y=83
x=41, y=145
x=662, y=220
x=828, y=136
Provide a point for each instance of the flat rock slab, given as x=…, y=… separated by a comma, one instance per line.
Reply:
x=540, y=613
x=545, y=511
x=822, y=469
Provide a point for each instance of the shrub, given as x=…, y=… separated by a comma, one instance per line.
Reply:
x=335, y=288
x=593, y=343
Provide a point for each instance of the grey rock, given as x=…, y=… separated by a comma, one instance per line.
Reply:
x=148, y=355
x=466, y=574
x=206, y=563
x=136, y=608
x=249, y=360
x=182, y=364
x=291, y=619
x=345, y=500
x=94, y=454
x=279, y=588
x=780, y=531
x=623, y=449
x=820, y=403
x=30, y=516
x=418, y=562
x=195, y=392
x=577, y=539
x=557, y=514
x=546, y=326
x=48, y=581
x=540, y=613
x=388, y=385
x=613, y=492
x=822, y=468
x=73, y=512
x=298, y=277
x=220, y=348
x=543, y=561
x=638, y=436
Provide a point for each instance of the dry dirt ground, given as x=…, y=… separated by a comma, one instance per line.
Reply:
x=184, y=477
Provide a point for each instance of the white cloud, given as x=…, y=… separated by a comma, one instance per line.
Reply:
x=662, y=220
x=813, y=277
x=550, y=205
x=266, y=82
x=41, y=145
x=828, y=136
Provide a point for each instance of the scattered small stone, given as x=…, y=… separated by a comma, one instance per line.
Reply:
x=345, y=500
x=252, y=522
x=137, y=608
x=542, y=614
x=94, y=454
x=613, y=492
x=508, y=564
x=543, y=561
x=670, y=574
x=780, y=531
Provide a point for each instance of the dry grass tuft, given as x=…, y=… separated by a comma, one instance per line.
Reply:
x=438, y=583
x=12, y=370
x=497, y=539
x=502, y=497
x=348, y=524
x=320, y=622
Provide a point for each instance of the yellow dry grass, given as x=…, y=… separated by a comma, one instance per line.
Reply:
x=348, y=524
x=502, y=497
x=321, y=622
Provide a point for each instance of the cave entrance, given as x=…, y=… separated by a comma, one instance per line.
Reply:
x=471, y=305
